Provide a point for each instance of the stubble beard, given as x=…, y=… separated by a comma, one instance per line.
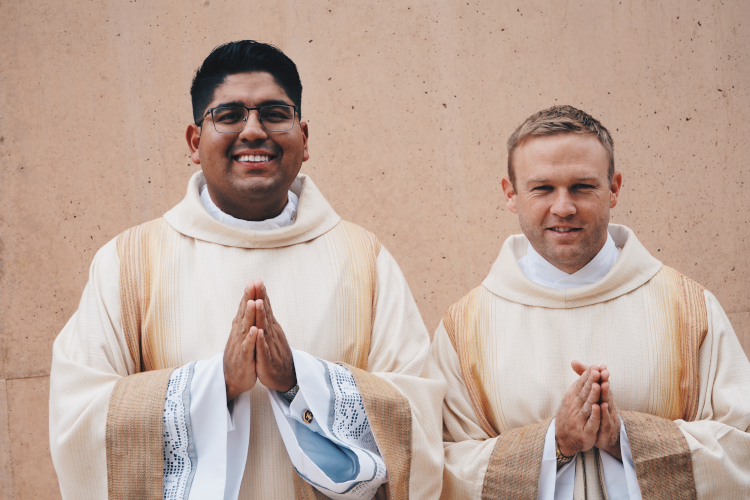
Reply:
x=567, y=258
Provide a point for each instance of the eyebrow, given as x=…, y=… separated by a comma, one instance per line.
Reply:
x=544, y=181
x=270, y=102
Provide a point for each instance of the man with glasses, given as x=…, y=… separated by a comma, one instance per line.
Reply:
x=162, y=387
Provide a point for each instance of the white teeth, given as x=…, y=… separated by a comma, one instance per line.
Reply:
x=562, y=229
x=253, y=158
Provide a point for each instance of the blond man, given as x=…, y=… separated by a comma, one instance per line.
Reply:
x=583, y=367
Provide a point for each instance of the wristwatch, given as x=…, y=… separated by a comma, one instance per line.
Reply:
x=562, y=459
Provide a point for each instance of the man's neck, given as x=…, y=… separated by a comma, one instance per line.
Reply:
x=251, y=210
x=284, y=219
x=542, y=272
x=577, y=265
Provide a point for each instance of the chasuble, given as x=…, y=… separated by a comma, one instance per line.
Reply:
x=139, y=364
x=678, y=376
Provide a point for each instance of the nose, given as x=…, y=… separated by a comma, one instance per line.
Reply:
x=563, y=204
x=253, y=130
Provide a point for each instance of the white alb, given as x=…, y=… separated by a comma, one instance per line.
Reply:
x=285, y=218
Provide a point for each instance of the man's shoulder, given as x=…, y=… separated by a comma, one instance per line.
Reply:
x=144, y=229
x=690, y=305
x=678, y=282
x=467, y=305
x=132, y=238
x=357, y=235
x=137, y=239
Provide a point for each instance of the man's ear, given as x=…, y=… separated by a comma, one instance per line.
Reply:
x=614, y=189
x=510, y=195
x=193, y=136
x=305, y=136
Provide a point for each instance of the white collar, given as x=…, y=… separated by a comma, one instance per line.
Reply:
x=541, y=272
x=284, y=219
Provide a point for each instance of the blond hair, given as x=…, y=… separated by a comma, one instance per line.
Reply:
x=560, y=120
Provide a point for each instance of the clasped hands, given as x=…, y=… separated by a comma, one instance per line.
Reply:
x=257, y=348
x=587, y=416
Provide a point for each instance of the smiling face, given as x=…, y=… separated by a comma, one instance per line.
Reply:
x=563, y=197
x=249, y=173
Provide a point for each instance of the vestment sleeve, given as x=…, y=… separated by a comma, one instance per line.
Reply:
x=478, y=465
x=326, y=431
x=109, y=423
x=89, y=357
x=719, y=438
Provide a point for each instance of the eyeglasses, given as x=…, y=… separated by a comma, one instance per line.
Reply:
x=232, y=119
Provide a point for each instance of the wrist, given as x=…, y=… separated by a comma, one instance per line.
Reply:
x=231, y=392
x=563, y=449
x=614, y=450
x=279, y=384
x=289, y=385
x=288, y=382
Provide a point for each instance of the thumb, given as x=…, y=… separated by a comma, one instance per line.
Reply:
x=594, y=421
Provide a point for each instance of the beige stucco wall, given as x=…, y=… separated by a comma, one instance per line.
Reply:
x=409, y=105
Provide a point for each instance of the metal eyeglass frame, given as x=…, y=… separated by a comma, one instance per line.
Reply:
x=260, y=119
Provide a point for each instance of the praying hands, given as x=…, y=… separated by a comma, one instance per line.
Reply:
x=257, y=348
x=587, y=416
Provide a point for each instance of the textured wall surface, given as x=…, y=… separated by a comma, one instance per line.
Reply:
x=409, y=105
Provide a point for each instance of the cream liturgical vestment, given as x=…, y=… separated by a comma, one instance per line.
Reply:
x=144, y=349
x=679, y=379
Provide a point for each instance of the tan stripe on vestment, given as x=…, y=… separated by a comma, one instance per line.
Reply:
x=389, y=414
x=134, y=433
x=141, y=252
x=692, y=328
x=134, y=294
x=661, y=456
x=134, y=429
x=513, y=469
x=460, y=323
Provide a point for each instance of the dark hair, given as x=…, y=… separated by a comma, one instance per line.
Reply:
x=560, y=120
x=243, y=56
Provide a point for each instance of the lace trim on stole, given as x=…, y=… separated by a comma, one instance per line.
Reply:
x=351, y=425
x=179, y=453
